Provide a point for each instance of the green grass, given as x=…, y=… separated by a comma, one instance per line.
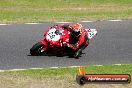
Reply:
x=59, y=78
x=49, y=72
x=106, y=69
x=20, y=11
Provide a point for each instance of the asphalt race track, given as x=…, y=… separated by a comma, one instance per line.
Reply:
x=112, y=45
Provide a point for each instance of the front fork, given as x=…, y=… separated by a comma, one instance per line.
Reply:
x=85, y=44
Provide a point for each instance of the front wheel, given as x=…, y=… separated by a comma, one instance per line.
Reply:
x=77, y=54
x=37, y=49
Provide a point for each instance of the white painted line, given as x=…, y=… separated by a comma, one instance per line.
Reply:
x=114, y=20
x=35, y=68
x=73, y=66
x=54, y=67
x=117, y=64
x=4, y=24
x=98, y=65
x=86, y=21
x=2, y=70
x=49, y=67
x=63, y=22
x=16, y=70
x=32, y=23
x=62, y=67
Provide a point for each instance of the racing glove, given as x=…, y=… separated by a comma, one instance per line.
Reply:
x=73, y=46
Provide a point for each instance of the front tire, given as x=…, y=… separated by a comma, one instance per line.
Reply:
x=77, y=54
x=36, y=49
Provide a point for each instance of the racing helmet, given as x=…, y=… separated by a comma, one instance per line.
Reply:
x=77, y=29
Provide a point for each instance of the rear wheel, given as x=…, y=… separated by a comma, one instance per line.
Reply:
x=37, y=49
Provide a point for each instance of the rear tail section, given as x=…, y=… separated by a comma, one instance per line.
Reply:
x=91, y=33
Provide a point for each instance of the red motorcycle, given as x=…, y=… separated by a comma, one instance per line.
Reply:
x=54, y=42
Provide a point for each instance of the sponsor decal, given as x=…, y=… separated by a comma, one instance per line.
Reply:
x=83, y=78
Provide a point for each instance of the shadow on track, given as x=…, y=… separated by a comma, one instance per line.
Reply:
x=64, y=55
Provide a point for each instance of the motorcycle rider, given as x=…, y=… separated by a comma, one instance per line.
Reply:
x=75, y=39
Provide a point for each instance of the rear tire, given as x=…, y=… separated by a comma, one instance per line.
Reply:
x=36, y=49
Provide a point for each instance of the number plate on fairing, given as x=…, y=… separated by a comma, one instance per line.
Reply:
x=52, y=36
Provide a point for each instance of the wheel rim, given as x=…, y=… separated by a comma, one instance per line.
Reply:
x=40, y=50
